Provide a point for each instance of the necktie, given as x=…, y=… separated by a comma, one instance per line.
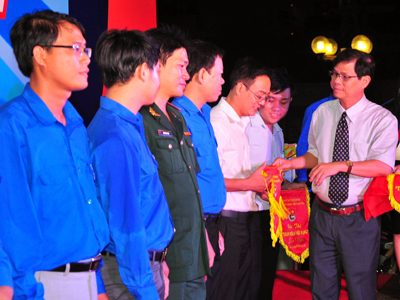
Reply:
x=339, y=184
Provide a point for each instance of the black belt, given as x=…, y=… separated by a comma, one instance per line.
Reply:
x=153, y=255
x=208, y=218
x=91, y=265
x=158, y=255
x=240, y=216
x=344, y=210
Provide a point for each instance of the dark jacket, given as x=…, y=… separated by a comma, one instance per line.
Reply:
x=187, y=256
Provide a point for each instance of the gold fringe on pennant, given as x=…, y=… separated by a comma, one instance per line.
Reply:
x=306, y=253
x=393, y=202
x=275, y=236
x=274, y=210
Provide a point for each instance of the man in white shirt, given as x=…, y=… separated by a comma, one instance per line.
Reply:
x=351, y=141
x=250, y=86
x=266, y=144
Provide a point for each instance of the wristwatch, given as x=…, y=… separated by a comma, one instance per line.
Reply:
x=349, y=164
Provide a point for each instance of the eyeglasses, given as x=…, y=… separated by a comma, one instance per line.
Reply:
x=77, y=48
x=260, y=98
x=335, y=75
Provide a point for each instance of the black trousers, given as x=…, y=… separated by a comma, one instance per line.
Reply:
x=347, y=243
x=212, y=282
x=239, y=280
x=266, y=268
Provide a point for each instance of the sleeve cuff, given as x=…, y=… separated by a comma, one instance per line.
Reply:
x=145, y=293
x=5, y=276
x=301, y=175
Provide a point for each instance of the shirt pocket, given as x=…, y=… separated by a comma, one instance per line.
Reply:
x=358, y=151
x=180, y=252
x=203, y=153
x=54, y=176
x=55, y=190
x=168, y=156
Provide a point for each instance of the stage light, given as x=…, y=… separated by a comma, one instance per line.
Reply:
x=362, y=43
x=318, y=45
x=331, y=47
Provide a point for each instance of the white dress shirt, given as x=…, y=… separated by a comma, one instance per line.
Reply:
x=265, y=146
x=234, y=153
x=372, y=135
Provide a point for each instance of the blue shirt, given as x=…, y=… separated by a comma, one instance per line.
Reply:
x=302, y=145
x=131, y=194
x=49, y=213
x=210, y=179
x=5, y=268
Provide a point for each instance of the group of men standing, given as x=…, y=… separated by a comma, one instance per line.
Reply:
x=167, y=191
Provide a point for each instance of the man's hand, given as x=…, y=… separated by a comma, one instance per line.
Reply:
x=257, y=181
x=221, y=243
x=323, y=170
x=211, y=253
x=103, y=297
x=264, y=195
x=166, y=279
x=397, y=169
x=283, y=164
x=6, y=292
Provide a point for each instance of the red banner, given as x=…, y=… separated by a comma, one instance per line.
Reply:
x=277, y=210
x=376, y=198
x=382, y=195
x=295, y=236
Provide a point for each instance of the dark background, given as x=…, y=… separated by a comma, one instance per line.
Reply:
x=278, y=33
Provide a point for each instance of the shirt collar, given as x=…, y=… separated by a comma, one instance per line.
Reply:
x=257, y=120
x=231, y=113
x=120, y=110
x=43, y=113
x=277, y=128
x=187, y=104
x=354, y=111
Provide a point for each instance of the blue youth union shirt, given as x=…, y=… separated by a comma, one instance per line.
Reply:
x=49, y=213
x=5, y=268
x=210, y=179
x=131, y=194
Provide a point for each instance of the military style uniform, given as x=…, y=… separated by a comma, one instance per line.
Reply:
x=187, y=256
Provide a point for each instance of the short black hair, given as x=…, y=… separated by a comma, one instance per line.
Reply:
x=38, y=28
x=168, y=39
x=365, y=64
x=120, y=52
x=280, y=81
x=202, y=55
x=246, y=70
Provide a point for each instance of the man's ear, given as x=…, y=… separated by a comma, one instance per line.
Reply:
x=142, y=72
x=240, y=88
x=202, y=75
x=365, y=80
x=39, y=55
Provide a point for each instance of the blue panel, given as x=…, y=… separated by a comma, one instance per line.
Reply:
x=15, y=9
x=57, y=5
x=10, y=85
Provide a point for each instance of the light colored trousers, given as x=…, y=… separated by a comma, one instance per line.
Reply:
x=68, y=285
